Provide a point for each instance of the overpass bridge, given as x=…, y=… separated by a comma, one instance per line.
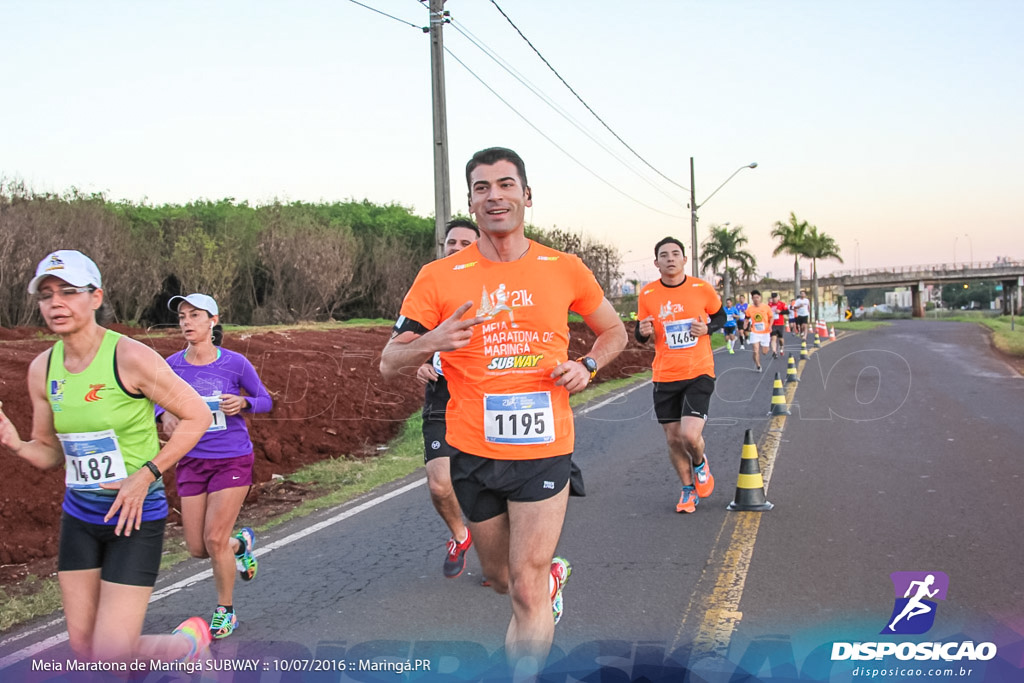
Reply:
x=1009, y=273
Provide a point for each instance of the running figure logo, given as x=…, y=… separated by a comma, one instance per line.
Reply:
x=494, y=303
x=914, y=612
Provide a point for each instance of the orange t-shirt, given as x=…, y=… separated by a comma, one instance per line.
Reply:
x=760, y=318
x=677, y=355
x=504, y=403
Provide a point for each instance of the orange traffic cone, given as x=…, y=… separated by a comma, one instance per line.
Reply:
x=832, y=333
x=749, y=485
x=778, y=398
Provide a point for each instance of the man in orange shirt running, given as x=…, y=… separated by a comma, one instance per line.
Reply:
x=759, y=319
x=510, y=377
x=681, y=312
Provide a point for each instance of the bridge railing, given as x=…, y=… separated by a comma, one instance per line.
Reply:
x=934, y=268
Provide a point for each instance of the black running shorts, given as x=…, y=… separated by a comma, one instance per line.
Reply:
x=434, y=445
x=684, y=398
x=485, y=486
x=801, y=319
x=778, y=331
x=129, y=560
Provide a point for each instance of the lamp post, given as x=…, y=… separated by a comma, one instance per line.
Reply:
x=856, y=261
x=970, y=243
x=694, y=206
x=954, y=251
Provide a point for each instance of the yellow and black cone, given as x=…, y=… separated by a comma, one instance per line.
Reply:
x=803, y=350
x=817, y=341
x=791, y=376
x=778, y=398
x=749, y=485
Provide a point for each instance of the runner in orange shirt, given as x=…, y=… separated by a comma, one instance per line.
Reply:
x=681, y=312
x=759, y=318
x=510, y=377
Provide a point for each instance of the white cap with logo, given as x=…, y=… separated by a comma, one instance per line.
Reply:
x=201, y=301
x=73, y=267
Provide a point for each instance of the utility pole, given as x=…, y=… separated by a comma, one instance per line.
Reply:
x=693, y=221
x=442, y=191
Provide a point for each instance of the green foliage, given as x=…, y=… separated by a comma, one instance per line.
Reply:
x=723, y=245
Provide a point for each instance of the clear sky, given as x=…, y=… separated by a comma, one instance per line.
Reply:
x=893, y=125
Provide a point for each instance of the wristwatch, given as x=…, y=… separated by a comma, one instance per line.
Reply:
x=590, y=364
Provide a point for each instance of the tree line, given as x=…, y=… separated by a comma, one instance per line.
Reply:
x=274, y=263
x=724, y=248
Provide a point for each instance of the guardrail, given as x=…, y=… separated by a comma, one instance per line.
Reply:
x=938, y=268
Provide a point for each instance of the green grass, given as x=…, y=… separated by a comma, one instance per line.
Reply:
x=1006, y=340
x=344, y=478
x=33, y=597
x=859, y=325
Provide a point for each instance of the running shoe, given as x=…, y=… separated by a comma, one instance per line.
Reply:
x=455, y=561
x=561, y=570
x=731, y=351
x=688, y=500
x=198, y=631
x=703, y=482
x=223, y=622
x=245, y=562
x=485, y=582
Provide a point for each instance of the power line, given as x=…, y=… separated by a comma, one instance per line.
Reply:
x=607, y=127
x=389, y=16
x=557, y=146
x=458, y=26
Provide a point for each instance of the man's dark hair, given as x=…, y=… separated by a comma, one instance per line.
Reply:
x=491, y=156
x=460, y=223
x=668, y=240
x=755, y=291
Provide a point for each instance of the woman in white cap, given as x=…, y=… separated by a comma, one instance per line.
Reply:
x=93, y=396
x=215, y=476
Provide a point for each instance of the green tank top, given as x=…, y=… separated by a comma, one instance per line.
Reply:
x=94, y=400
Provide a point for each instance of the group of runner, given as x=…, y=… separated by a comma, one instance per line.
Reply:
x=485, y=328
x=97, y=399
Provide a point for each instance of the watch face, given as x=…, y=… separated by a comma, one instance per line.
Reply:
x=590, y=364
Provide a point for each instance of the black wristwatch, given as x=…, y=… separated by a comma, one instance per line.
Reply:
x=590, y=364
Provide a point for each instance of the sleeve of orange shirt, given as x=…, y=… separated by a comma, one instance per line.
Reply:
x=589, y=294
x=420, y=303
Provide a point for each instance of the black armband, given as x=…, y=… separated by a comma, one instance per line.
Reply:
x=404, y=324
x=717, y=321
x=636, y=333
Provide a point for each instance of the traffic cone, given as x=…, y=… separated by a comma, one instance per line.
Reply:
x=749, y=485
x=791, y=376
x=832, y=333
x=803, y=350
x=778, y=398
x=817, y=341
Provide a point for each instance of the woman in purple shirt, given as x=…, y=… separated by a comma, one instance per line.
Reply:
x=214, y=477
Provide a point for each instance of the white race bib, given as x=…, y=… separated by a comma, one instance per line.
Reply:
x=219, y=423
x=437, y=363
x=677, y=334
x=519, y=419
x=91, y=459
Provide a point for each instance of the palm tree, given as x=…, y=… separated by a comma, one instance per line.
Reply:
x=721, y=246
x=792, y=238
x=819, y=245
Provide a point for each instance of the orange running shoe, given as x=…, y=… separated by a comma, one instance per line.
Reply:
x=688, y=500
x=702, y=479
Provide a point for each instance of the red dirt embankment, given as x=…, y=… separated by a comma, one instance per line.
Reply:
x=329, y=401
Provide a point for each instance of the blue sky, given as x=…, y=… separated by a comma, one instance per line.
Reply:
x=893, y=126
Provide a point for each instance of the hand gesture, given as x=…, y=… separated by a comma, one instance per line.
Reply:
x=572, y=375
x=231, y=404
x=647, y=326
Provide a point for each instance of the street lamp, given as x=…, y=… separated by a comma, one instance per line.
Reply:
x=694, y=206
x=856, y=268
x=970, y=243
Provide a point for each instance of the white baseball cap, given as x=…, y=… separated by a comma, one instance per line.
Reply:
x=198, y=300
x=73, y=267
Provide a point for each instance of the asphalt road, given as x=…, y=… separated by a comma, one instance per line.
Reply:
x=902, y=453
